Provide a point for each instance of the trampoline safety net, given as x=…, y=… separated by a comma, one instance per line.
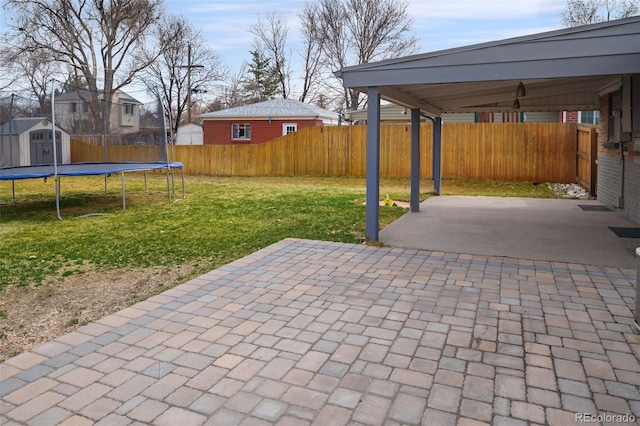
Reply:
x=87, y=129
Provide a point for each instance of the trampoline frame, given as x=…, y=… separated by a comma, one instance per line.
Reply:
x=91, y=169
x=105, y=168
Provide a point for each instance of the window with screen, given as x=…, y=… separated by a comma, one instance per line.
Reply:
x=241, y=131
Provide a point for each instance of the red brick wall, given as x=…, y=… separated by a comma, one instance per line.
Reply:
x=572, y=116
x=218, y=132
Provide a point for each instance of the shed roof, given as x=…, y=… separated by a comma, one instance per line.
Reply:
x=18, y=126
x=274, y=108
x=561, y=70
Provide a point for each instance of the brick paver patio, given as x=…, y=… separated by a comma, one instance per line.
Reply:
x=308, y=332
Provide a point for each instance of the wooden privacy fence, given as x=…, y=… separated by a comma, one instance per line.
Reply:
x=535, y=152
x=587, y=152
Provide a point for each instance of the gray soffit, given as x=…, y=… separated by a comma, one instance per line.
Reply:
x=561, y=70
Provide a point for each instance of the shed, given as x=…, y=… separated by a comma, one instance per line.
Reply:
x=263, y=121
x=29, y=142
x=189, y=134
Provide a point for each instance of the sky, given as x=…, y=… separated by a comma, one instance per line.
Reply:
x=438, y=24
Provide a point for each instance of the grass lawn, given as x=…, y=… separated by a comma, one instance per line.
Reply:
x=222, y=219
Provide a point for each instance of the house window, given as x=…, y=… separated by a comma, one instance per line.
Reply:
x=241, y=131
x=128, y=109
x=289, y=128
x=589, y=117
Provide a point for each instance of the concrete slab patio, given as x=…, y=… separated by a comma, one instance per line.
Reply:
x=307, y=332
x=525, y=228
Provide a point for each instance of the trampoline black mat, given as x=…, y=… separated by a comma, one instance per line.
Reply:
x=594, y=208
x=626, y=232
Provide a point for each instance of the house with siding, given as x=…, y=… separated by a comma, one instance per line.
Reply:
x=392, y=113
x=262, y=121
x=72, y=110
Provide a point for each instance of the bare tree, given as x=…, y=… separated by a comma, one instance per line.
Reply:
x=34, y=69
x=231, y=93
x=311, y=53
x=7, y=78
x=352, y=32
x=270, y=38
x=102, y=42
x=185, y=64
x=582, y=12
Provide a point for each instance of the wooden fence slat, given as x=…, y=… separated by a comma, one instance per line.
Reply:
x=535, y=152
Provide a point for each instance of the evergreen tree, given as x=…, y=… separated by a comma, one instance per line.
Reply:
x=261, y=80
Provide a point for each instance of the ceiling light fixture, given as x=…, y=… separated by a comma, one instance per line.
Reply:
x=516, y=104
x=520, y=91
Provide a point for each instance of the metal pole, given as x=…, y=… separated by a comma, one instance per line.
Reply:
x=166, y=144
x=372, y=215
x=124, y=198
x=415, y=160
x=437, y=155
x=188, y=82
x=13, y=182
x=184, y=190
x=11, y=130
x=104, y=138
x=172, y=143
x=55, y=149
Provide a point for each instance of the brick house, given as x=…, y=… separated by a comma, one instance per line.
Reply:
x=262, y=121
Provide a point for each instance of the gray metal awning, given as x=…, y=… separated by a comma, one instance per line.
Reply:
x=559, y=70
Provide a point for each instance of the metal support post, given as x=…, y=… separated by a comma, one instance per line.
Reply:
x=415, y=160
x=373, y=166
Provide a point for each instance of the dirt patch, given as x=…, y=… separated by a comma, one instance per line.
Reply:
x=31, y=316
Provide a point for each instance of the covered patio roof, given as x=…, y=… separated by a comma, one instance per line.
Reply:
x=560, y=70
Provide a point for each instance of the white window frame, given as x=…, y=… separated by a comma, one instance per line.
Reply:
x=595, y=114
x=286, y=126
x=128, y=109
x=236, y=133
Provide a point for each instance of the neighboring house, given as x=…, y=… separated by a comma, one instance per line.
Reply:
x=583, y=117
x=189, y=134
x=72, y=112
x=29, y=142
x=263, y=121
x=397, y=114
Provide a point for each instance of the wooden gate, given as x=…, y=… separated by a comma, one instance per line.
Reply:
x=586, y=155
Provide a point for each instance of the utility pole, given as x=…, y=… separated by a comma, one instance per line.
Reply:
x=188, y=67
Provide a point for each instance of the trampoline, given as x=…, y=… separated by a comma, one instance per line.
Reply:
x=34, y=149
x=91, y=169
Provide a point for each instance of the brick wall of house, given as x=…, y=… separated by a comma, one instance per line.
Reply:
x=218, y=132
x=609, y=166
x=632, y=188
x=610, y=171
x=571, y=116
